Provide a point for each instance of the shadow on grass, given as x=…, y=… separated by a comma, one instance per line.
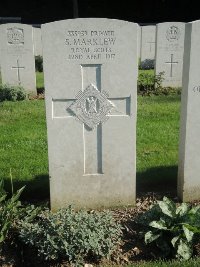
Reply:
x=160, y=179
x=40, y=90
x=36, y=189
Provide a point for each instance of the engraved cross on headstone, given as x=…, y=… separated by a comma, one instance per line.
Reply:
x=18, y=71
x=151, y=43
x=171, y=62
x=91, y=107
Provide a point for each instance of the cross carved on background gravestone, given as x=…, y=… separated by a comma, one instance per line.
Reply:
x=18, y=68
x=171, y=62
x=151, y=43
x=92, y=107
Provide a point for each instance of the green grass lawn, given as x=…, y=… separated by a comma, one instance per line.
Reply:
x=23, y=144
x=157, y=142
x=39, y=79
x=147, y=71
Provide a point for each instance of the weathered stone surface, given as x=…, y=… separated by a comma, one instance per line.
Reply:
x=189, y=147
x=139, y=41
x=148, y=40
x=37, y=38
x=90, y=68
x=169, y=52
x=17, y=60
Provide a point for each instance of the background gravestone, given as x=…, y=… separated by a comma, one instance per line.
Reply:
x=139, y=41
x=189, y=147
x=17, y=60
x=148, y=39
x=37, y=38
x=169, y=52
x=90, y=69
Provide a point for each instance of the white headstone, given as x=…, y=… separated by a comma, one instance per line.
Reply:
x=90, y=69
x=37, y=38
x=189, y=147
x=17, y=59
x=169, y=52
x=148, y=39
x=139, y=41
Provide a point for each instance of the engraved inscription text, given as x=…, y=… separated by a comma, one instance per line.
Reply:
x=90, y=45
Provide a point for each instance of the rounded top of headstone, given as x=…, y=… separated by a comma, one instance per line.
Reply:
x=87, y=21
x=5, y=25
x=195, y=21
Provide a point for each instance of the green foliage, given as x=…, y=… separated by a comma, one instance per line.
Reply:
x=12, y=93
x=71, y=235
x=9, y=211
x=149, y=83
x=39, y=63
x=168, y=90
x=172, y=228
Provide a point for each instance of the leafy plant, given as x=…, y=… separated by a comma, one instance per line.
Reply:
x=149, y=82
x=172, y=228
x=9, y=211
x=71, y=235
x=168, y=90
x=39, y=63
x=12, y=93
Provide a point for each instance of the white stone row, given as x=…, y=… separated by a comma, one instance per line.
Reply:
x=162, y=42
